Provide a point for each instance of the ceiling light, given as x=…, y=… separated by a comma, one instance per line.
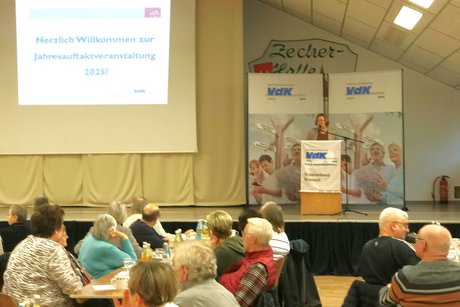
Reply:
x=423, y=3
x=407, y=18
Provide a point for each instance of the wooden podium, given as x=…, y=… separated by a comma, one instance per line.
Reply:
x=320, y=203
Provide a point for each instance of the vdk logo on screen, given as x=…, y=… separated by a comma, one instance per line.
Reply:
x=279, y=91
x=320, y=157
x=316, y=154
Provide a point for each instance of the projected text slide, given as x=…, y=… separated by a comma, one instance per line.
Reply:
x=80, y=52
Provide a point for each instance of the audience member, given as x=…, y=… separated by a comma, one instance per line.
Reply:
x=117, y=209
x=143, y=229
x=279, y=242
x=435, y=280
x=227, y=249
x=256, y=272
x=383, y=256
x=39, y=264
x=195, y=266
x=16, y=231
x=98, y=255
x=40, y=201
x=151, y=284
x=244, y=216
x=137, y=205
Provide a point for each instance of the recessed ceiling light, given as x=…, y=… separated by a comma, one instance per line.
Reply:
x=423, y=3
x=407, y=18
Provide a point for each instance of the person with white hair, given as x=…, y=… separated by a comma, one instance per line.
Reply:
x=98, y=255
x=256, y=272
x=435, y=280
x=383, y=256
x=117, y=209
x=196, y=268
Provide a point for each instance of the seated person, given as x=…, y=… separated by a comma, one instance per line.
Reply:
x=383, y=256
x=39, y=264
x=256, y=272
x=435, y=280
x=143, y=229
x=116, y=209
x=16, y=231
x=98, y=255
x=195, y=266
x=151, y=284
x=244, y=216
x=227, y=249
x=137, y=205
x=279, y=242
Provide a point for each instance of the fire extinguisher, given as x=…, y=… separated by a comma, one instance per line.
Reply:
x=443, y=189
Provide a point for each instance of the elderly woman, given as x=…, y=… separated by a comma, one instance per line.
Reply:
x=39, y=264
x=151, y=284
x=280, y=244
x=98, y=255
x=117, y=209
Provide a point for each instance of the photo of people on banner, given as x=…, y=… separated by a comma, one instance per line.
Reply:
x=372, y=161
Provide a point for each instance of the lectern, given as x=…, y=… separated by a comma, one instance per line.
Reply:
x=320, y=191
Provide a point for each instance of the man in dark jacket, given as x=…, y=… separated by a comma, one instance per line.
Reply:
x=16, y=231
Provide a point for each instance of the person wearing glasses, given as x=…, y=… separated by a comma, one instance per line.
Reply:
x=383, y=256
x=435, y=280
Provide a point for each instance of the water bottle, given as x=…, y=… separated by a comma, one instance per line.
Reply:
x=199, y=230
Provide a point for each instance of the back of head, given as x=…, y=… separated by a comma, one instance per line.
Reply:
x=117, y=209
x=437, y=238
x=261, y=229
x=40, y=202
x=102, y=226
x=220, y=223
x=391, y=214
x=138, y=203
x=150, y=213
x=393, y=222
x=273, y=213
x=20, y=212
x=44, y=222
x=155, y=282
x=244, y=216
x=198, y=258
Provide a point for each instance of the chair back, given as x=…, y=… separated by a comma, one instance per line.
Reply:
x=6, y=300
x=279, y=264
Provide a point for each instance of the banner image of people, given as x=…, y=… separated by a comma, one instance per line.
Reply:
x=366, y=114
x=279, y=108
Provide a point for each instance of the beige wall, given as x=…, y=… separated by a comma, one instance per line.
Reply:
x=213, y=176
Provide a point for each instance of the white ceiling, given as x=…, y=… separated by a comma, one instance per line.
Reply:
x=431, y=48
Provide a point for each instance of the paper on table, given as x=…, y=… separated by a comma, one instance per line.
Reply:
x=103, y=287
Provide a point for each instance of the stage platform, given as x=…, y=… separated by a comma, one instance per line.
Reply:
x=335, y=240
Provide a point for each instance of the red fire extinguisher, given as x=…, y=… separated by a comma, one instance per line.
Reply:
x=443, y=189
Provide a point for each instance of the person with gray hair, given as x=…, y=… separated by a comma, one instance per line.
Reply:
x=98, y=255
x=383, y=256
x=16, y=231
x=256, y=272
x=196, y=268
x=435, y=280
x=117, y=209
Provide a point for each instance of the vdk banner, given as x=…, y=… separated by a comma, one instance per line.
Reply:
x=320, y=167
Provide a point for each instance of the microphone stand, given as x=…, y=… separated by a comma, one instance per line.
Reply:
x=346, y=207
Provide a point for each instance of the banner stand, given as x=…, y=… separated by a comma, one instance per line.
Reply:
x=320, y=203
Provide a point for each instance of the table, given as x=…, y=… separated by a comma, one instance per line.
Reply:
x=88, y=291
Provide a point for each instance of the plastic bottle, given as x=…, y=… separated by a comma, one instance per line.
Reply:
x=167, y=252
x=199, y=230
x=36, y=301
x=147, y=254
x=178, y=236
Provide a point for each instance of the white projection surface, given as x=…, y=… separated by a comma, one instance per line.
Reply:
x=97, y=76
